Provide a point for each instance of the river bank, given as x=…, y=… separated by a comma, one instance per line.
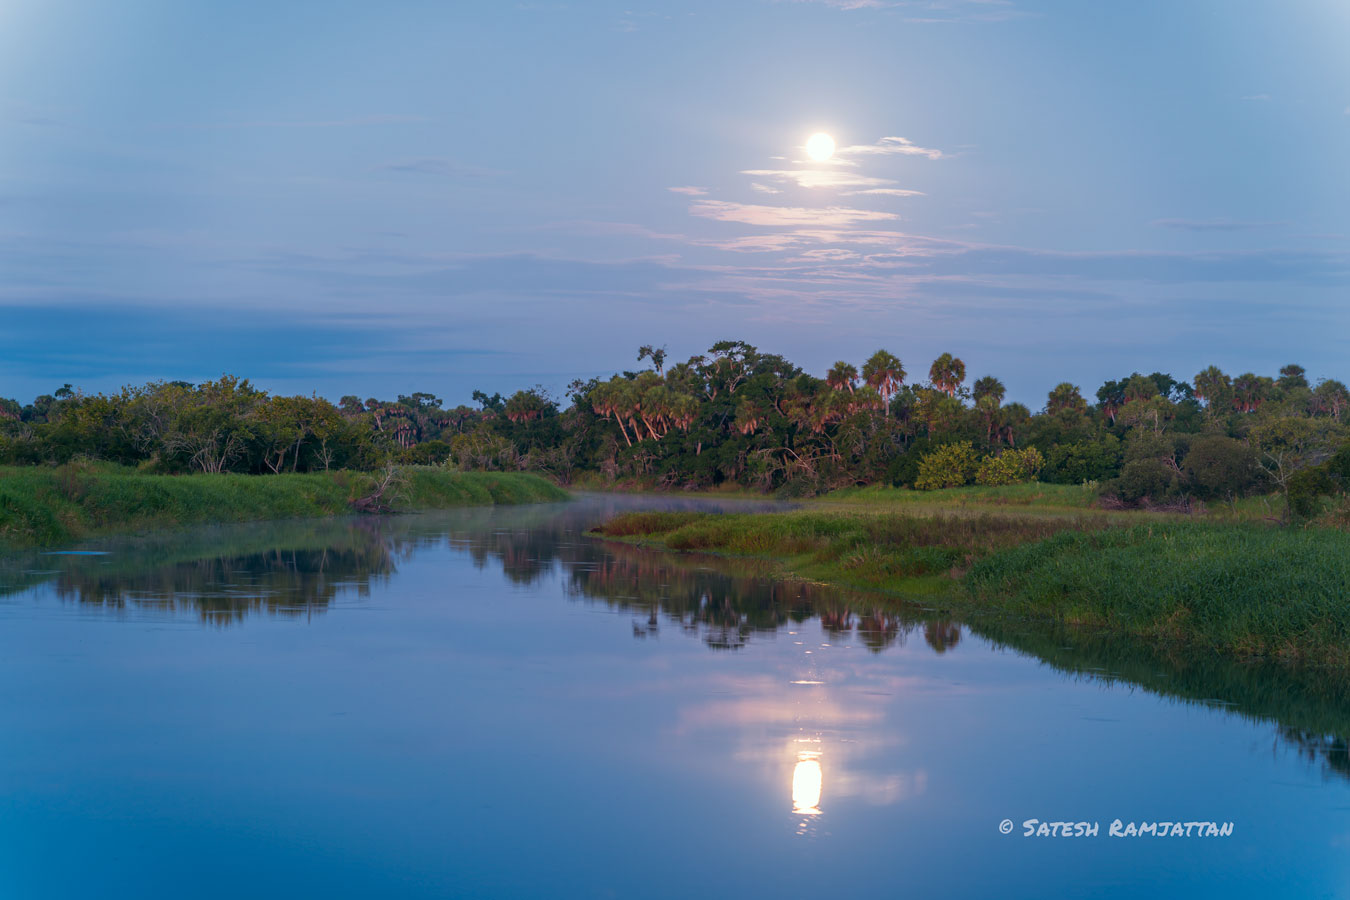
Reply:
x=1241, y=588
x=46, y=506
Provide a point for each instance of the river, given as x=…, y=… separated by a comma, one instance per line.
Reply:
x=486, y=702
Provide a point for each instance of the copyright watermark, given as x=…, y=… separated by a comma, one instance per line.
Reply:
x=1117, y=828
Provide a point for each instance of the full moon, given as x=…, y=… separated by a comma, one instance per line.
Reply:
x=820, y=146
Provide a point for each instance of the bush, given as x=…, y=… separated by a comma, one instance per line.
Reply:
x=903, y=470
x=1218, y=466
x=1306, y=488
x=1080, y=461
x=951, y=465
x=1142, y=478
x=427, y=453
x=1010, y=467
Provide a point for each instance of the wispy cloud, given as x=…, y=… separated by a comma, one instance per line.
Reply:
x=763, y=188
x=1211, y=224
x=814, y=178
x=689, y=190
x=752, y=214
x=889, y=145
x=828, y=254
x=1256, y=98
x=885, y=192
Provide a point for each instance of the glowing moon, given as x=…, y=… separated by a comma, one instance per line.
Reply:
x=820, y=146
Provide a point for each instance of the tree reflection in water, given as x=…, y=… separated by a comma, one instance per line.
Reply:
x=304, y=567
x=223, y=575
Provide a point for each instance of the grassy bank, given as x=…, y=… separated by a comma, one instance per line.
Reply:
x=1239, y=588
x=45, y=506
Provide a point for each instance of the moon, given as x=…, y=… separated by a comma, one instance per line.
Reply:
x=820, y=146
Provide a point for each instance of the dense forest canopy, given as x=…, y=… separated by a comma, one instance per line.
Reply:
x=738, y=415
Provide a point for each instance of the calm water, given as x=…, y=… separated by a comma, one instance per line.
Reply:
x=486, y=703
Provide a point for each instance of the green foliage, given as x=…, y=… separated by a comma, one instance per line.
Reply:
x=1082, y=461
x=1010, y=467
x=1142, y=479
x=46, y=506
x=732, y=416
x=1245, y=590
x=1217, y=466
x=950, y=465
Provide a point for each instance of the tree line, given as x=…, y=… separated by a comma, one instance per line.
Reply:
x=738, y=415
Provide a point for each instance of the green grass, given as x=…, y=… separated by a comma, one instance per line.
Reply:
x=1039, y=554
x=893, y=552
x=1029, y=496
x=1249, y=590
x=46, y=506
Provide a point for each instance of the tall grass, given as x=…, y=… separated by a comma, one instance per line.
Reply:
x=1244, y=589
x=45, y=506
x=884, y=551
x=1249, y=590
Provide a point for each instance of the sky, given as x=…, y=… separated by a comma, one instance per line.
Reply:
x=374, y=199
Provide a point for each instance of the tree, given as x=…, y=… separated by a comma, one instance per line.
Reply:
x=1011, y=420
x=842, y=376
x=656, y=354
x=1215, y=388
x=1330, y=398
x=1065, y=398
x=526, y=406
x=1250, y=391
x=1292, y=376
x=884, y=372
x=1219, y=466
x=989, y=386
x=1111, y=397
x=947, y=373
x=988, y=394
x=1287, y=445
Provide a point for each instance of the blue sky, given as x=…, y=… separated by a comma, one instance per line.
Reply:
x=357, y=198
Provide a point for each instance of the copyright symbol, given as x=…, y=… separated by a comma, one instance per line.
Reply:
x=1006, y=826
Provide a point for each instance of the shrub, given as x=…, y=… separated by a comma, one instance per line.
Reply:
x=1080, y=461
x=951, y=465
x=1010, y=467
x=1218, y=466
x=903, y=470
x=1144, y=478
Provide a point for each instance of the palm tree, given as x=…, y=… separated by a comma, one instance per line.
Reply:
x=606, y=400
x=1012, y=417
x=1065, y=397
x=884, y=372
x=1249, y=391
x=1213, y=387
x=988, y=393
x=1111, y=397
x=989, y=386
x=947, y=373
x=842, y=376
x=1293, y=376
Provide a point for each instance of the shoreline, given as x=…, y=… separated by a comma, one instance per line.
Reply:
x=65, y=504
x=1240, y=589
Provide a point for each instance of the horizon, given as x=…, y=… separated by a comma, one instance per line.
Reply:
x=435, y=199
x=915, y=377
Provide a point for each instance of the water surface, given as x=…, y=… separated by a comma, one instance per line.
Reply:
x=487, y=703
